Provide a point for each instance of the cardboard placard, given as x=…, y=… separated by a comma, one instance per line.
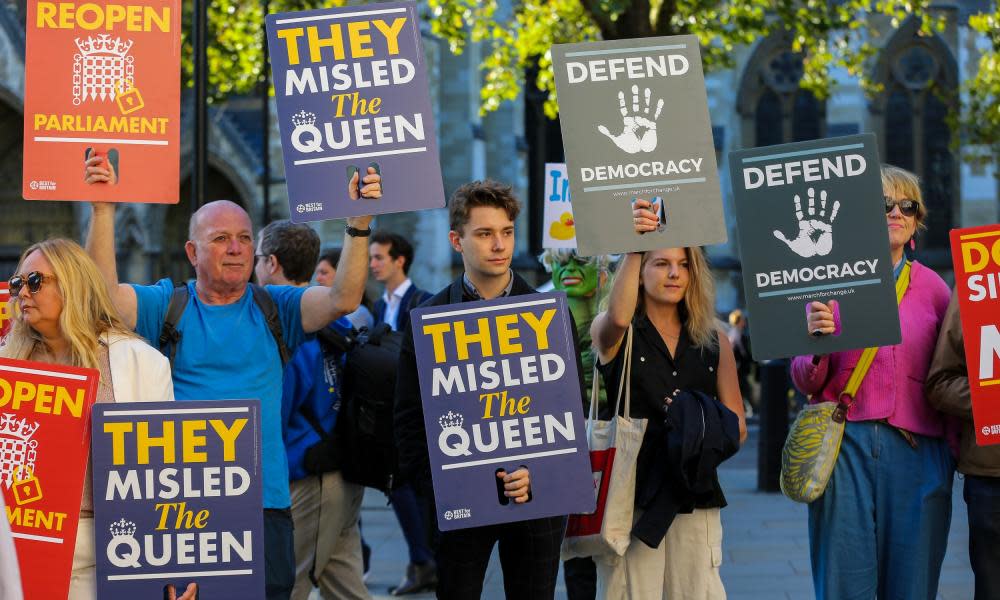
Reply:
x=558, y=225
x=6, y=309
x=500, y=390
x=812, y=228
x=351, y=90
x=975, y=252
x=635, y=125
x=44, y=437
x=105, y=78
x=178, y=498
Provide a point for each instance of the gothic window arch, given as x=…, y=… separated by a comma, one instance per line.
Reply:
x=920, y=79
x=773, y=108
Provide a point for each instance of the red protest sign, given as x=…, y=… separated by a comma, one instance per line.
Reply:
x=44, y=444
x=6, y=309
x=104, y=78
x=976, y=256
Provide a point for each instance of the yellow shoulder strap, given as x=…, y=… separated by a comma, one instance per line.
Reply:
x=865, y=362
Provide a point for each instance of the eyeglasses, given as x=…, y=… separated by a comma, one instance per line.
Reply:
x=906, y=206
x=33, y=280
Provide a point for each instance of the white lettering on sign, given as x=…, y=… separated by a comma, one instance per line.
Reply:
x=632, y=67
x=813, y=169
x=818, y=273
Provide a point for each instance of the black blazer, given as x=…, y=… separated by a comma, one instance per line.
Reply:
x=411, y=438
x=698, y=433
x=413, y=298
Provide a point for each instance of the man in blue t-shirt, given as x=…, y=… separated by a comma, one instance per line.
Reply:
x=226, y=349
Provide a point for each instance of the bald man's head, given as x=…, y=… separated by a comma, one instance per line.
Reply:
x=213, y=210
x=221, y=248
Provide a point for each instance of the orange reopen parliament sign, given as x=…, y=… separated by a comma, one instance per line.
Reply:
x=44, y=444
x=102, y=77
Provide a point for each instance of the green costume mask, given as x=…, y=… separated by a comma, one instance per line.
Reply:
x=575, y=275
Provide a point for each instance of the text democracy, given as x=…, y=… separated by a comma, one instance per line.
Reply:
x=645, y=169
x=813, y=169
x=632, y=67
x=818, y=273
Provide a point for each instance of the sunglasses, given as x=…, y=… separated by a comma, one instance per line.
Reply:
x=906, y=206
x=33, y=280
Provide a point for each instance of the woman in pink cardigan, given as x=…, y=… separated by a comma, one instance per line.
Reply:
x=881, y=527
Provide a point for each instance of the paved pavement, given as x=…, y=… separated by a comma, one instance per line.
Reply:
x=766, y=546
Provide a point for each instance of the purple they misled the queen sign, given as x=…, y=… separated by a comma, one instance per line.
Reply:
x=178, y=499
x=500, y=390
x=351, y=91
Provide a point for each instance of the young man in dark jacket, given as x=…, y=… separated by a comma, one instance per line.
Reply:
x=948, y=391
x=482, y=218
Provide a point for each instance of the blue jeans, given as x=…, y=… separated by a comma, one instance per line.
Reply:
x=881, y=527
x=982, y=495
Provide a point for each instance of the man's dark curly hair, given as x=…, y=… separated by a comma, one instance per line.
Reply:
x=481, y=193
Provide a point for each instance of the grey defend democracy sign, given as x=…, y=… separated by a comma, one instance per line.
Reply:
x=812, y=228
x=351, y=90
x=635, y=125
x=500, y=391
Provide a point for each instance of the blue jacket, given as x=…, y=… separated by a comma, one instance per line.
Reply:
x=305, y=386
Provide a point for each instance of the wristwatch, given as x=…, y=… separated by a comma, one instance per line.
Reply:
x=355, y=232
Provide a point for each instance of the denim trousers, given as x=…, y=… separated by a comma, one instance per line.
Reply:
x=982, y=496
x=881, y=527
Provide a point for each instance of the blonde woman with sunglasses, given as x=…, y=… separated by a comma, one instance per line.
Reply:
x=881, y=527
x=63, y=315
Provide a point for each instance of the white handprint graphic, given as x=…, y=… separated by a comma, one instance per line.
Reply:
x=630, y=139
x=815, y=233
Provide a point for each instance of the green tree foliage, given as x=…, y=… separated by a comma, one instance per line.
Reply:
x=517, y=36
x=827, y=33
x=978, y=124
x=236, y=41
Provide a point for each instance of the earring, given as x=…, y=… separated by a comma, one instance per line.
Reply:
x=913, y=244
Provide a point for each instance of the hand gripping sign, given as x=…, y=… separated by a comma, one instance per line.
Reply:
x=352, y=97
x=44, y=445
x=500, y=391
x=177, y=499
x=975, y=253
x=102, y=79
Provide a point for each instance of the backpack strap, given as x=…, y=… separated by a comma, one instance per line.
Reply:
x=267, y=306
x=170, y=337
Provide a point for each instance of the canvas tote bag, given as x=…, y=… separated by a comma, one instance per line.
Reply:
x=614, y=448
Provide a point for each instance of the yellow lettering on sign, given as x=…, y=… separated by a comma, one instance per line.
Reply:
x=35, y=519
x=91, y=17
x=42, y=398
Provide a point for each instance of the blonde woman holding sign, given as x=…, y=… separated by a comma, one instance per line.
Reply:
x=881, y=526
x=63, y=315
x=667, y=298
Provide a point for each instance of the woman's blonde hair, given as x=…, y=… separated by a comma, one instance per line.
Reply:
x=698, y=306
x=901, y=182
x=87, y=311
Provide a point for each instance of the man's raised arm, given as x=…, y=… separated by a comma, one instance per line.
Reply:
x=101, y=248
x=321, y=306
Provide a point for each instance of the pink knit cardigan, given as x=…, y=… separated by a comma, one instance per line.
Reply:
x=893, y=389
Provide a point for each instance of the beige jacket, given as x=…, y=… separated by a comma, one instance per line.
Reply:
x=948, y=390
